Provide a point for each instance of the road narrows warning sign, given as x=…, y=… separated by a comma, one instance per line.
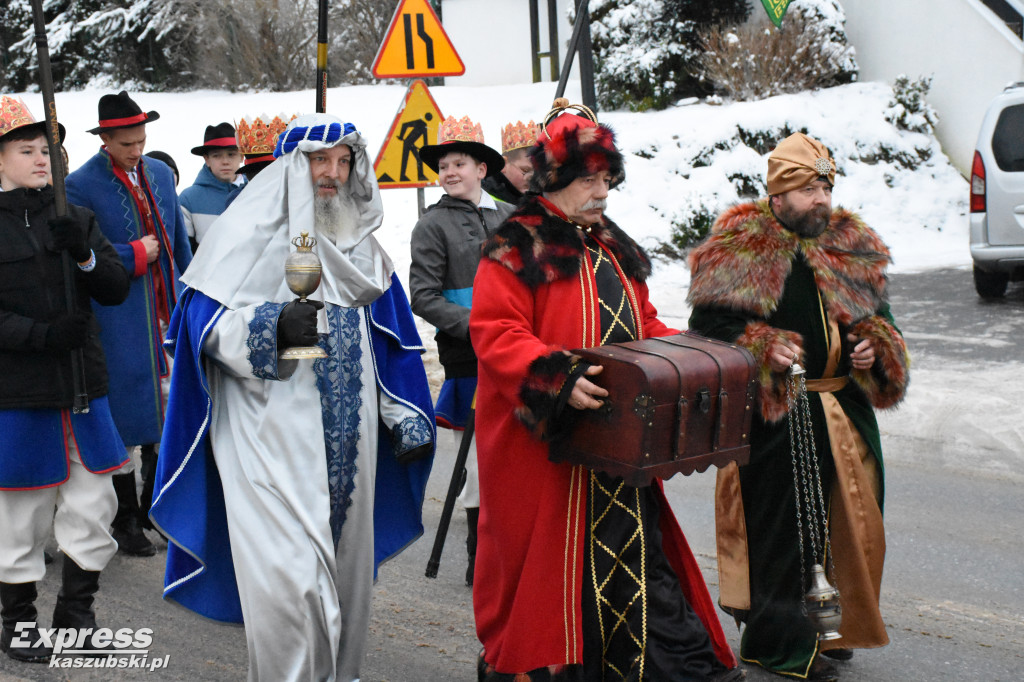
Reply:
x=398, y=162
x=416, y=45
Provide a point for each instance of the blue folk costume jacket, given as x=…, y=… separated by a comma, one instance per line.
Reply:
x=131, y=331
x=189, y=505
x=204, y=201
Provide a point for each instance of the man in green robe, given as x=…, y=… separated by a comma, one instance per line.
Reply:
x=792, y=280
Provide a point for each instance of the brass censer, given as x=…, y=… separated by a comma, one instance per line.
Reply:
x=821, y=603
x=302, y=270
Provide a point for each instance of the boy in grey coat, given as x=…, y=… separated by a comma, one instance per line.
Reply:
x=445, y=253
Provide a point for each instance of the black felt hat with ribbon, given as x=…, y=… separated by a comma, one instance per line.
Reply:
x=220, y=136
x=121, y=111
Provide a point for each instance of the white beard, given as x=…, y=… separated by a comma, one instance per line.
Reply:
x=335, y=216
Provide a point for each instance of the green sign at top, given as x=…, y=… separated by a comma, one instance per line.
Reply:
x=776, y=9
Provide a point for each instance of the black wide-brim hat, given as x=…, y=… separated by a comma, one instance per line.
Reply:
x=251, y=168
x=43, y=127
x=121, y=111
x=432, y=153
x=218, y=137
x=14, y=115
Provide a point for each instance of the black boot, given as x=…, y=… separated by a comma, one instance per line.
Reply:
x=74, y=601
x=125, y=528
x=18, y=600
x=148, y=471
x=472, y=515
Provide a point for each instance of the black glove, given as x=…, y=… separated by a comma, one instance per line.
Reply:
x=68, y=332
x=68, y=234
x=296, y=325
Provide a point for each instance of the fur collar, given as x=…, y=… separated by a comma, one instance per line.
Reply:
x=541, y=247
x=745, y=262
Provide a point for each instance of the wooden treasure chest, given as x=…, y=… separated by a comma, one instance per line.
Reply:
x=676, y=404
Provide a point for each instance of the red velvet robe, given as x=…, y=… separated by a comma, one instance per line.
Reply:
x=530, y=302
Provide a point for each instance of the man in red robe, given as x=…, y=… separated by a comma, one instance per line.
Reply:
x=578, y=576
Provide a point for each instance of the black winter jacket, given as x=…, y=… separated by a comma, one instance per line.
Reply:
x=32, y=296
x=499, y=187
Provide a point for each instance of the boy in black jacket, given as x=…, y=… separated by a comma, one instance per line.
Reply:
x=54, y=464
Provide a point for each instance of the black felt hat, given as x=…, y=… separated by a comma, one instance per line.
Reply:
x=121, y=111
x=220, y=136
x=462, y=136
x=254, y=164
x=14, y=115
x=166, y=158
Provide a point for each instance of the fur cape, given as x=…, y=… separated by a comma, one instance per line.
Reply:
x=744, y=264
x=540, y=247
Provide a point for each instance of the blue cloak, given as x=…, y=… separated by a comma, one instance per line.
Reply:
x=189, y=505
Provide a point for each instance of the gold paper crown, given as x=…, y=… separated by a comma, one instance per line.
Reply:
x=518, y=136
x=255, y=136
x=462, y=130
x=13, y=114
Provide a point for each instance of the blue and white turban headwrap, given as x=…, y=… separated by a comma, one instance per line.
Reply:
x=328, y=133
x=242, y=259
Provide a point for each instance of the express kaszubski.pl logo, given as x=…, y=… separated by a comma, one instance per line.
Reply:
x=88, y=648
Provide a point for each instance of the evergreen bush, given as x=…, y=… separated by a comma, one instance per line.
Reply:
x=908, y=109
x=646, y=51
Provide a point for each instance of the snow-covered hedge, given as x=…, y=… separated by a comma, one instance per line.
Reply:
x=687, y=164
x=646, y=51
x=758, y=60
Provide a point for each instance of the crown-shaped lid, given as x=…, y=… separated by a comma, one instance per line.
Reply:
x=461, y=130
x=259, y=135
x=518, y=136
x=14, y=114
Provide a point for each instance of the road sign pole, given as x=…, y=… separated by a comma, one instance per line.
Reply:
x=321, y=59
x=582, y=18
x=421, y=202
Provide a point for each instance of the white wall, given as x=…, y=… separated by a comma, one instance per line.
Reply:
x=493, y=39
x=970, y=54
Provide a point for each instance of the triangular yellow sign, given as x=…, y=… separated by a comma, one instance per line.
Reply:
x=398, y=162
x=416, y=45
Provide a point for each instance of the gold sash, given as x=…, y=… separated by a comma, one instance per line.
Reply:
x=855, y=522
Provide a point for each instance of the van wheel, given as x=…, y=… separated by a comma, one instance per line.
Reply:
x=990, y=284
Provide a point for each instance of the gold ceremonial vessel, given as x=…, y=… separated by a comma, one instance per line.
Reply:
x=302, y=270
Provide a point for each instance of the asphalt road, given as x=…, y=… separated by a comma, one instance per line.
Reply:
x=952, y=595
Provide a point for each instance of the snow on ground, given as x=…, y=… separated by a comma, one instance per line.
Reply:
x=963, y=417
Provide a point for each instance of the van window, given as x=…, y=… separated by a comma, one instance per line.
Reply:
x=1008, y=139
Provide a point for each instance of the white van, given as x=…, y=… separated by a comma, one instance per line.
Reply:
x=997, y=195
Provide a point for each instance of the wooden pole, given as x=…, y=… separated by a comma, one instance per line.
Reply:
x=80, y=404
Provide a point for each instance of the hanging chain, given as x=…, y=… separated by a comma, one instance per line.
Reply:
x=793, y=449
x=809, y=497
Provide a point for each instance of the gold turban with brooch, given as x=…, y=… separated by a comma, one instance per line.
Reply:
x=797, y=162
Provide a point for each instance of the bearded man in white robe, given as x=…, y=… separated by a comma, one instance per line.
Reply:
x=283, y=484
